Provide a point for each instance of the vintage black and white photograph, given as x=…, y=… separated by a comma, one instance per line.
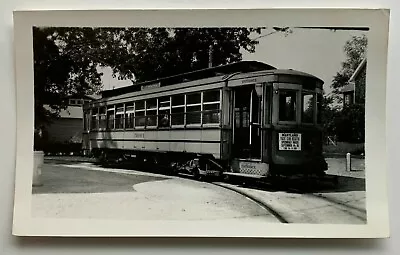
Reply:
x=234, y=124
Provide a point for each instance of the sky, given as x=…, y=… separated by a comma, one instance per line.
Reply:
x=314, y=51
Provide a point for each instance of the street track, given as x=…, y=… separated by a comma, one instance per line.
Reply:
x=354, y=211
x=286, y=213
x=359, y=213
x=295, y=213
x=265, y=206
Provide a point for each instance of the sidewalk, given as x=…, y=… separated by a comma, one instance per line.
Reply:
x=337, y=166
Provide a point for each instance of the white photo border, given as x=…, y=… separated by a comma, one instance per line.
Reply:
x=375, y=144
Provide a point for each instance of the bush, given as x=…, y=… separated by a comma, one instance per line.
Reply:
x=350, y=124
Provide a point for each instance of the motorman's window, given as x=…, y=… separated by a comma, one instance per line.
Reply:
x=193, y=108
x=211, y=107
x=287, y=105
x=178, y=110
x=307, y=115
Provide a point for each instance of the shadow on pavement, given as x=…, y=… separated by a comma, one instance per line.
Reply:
x=342, y=184
x=59, y=179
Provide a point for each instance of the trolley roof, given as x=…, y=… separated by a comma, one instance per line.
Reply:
x=237, y=67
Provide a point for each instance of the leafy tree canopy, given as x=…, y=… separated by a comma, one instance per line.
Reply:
x=348, y=124
x=355, y=50
x=66, y=60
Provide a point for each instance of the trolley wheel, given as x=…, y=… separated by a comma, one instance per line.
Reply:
x=198, y=176
x=226, y=178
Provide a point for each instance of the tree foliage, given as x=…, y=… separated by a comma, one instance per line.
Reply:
x=355, y=50
x=66, y=60
x=348, y=124
x=60, y=70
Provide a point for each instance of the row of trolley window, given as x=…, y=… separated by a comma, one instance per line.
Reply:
x=194, y=109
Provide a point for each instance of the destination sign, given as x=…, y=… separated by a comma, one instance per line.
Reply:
x=290, y=141
x=151, y=86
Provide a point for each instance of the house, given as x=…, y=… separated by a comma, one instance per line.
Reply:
x=354, y=91
x=64, y=134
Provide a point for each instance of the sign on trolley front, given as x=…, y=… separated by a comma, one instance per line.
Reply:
x=290, y=141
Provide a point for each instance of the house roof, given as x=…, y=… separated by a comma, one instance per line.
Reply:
x=350, y=86
x=358, y=70
x=72, y=112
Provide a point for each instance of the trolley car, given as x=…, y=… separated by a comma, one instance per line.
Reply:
x=245, y=119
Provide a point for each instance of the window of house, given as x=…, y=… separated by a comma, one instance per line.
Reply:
x=307, y=115
x=140, y=117
x=193, y=108
x=129, y=115
x=178, y=110
x=119, y=117
x=164, y=110
x=211, y=106
x=348, y=99
x=287, y=105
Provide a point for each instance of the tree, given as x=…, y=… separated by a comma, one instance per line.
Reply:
x=59, y=71
x=66, y=59
x=350, y=122
x=355, y=50
x=149, y=53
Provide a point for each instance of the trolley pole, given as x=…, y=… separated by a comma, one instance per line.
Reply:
x=348, y=162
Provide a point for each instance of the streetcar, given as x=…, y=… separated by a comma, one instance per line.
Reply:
x=244, y=120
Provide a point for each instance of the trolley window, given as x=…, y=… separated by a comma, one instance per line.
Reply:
x=287, y=105
x=164, y=110
x=94, y=124
x=110, y=117
x=307, y=115
x=151, y=112
x=319, y=108
x=140, y=118
x=211, y=107
x=119, y=117
x=178, y=110
x=85, y=120
x=193, y=108
x=129, y=115
x=103, y=117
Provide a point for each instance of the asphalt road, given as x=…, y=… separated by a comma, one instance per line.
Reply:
x=76, y=189
x=83, y=190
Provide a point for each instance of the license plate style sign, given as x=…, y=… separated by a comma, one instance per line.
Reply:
x=289, y=141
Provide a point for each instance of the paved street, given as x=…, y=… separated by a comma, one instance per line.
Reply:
x=73, y=188
x=81, y=190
